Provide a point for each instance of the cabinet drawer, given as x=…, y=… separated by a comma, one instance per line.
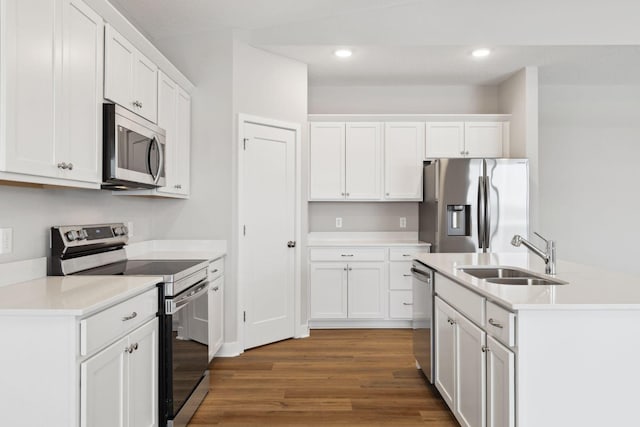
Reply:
x=400, y=275
x=501, y=324
x=216, y=269
x=347, y=254
x=408, y=253
x=467, y=302
x=101, y=328
x=400, y=304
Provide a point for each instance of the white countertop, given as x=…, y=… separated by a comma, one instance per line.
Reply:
x=339, y=239
x=70, y=295
x=588, y=287
x=196, y=255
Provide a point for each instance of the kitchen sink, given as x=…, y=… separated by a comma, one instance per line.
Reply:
x=524, y=281
x=509, y=276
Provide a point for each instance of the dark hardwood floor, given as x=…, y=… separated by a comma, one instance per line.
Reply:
x=335, y=377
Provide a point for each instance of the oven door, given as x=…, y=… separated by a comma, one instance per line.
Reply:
x=187, y=355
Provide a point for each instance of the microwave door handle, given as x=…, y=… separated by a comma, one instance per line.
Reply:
x=153, y=176
x=160, y=160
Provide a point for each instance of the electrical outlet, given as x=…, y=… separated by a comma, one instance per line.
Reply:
x=338, y=222
x=6, y=240
x=130, y=228
x=403, y=222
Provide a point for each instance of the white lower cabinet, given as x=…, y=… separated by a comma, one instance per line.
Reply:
x=373, y=289
x=460, y=365
x=475, y=372
x=347, y=291
x=119, y=385
x=500, y=385
x=366, y=290
x=216, y=316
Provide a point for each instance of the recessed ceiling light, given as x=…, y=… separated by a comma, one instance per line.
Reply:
x=480, y=53
x=343, y=53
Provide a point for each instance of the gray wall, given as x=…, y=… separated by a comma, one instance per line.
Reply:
x=589, y=150
x=518, y=96
x=402, y=99
x=30, y=212
x=360, y=216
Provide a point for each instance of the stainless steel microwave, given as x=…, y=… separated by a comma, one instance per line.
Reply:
x=133, y=151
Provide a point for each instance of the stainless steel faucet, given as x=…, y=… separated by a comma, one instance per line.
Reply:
x=549, y=256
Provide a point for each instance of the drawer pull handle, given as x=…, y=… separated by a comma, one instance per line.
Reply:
x=214, y=271
x=347, y=255
x=485, y=349
x=216, y=288
x=496, y=324
x=131, y=316
x=406, y=254
x=407, y=275
x=407, y=303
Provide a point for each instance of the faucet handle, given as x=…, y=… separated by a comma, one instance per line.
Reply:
x=538, y=234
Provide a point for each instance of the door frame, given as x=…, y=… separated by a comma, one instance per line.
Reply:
x=300, y=329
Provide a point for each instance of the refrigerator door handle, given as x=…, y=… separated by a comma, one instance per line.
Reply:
x=487, y=214
x=481, y=212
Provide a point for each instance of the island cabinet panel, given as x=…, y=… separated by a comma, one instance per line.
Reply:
x=500, y=385
x=445, y=351
x=470, y=397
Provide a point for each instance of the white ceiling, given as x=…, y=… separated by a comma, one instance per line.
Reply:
x=410, y=42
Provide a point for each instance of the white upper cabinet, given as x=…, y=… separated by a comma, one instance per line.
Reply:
x=363, y=161
x=52, y=74
x=183, y=135
x=82, y=64
x=444, y=140
x=466, y=139
x=131, y=79
x=345, y=161
x=326, y=161
x=403, y=154
x=174, y=116
x=483, y=139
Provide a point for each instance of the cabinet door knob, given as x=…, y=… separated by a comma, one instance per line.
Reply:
x=216, y=288
x=485, y=349
x=70, y=166
x=62, y=165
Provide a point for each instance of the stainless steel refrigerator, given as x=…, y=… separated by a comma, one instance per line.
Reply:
x=474, y=205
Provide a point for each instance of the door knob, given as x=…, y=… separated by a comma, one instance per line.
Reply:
x=291, y=244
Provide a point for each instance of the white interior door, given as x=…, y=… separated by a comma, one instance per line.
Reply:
x=267, y=215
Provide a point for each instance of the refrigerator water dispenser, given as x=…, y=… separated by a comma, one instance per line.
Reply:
x=458, y=220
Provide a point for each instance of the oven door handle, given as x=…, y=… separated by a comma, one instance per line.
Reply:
x=174, y=306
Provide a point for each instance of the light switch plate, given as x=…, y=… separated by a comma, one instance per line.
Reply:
x=6, y=240
x=403, y=222
x=338, y=222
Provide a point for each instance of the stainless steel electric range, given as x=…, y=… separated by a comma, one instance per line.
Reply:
x=183, y=355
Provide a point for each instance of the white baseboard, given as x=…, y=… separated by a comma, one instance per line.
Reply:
x=303, y=331
x=360, y=324
x=230, y=349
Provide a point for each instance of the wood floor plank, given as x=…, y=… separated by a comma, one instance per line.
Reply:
x=333, y=378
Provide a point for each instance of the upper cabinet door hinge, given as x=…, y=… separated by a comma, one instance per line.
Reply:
x=244, y=143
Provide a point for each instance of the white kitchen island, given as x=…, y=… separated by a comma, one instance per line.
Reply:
x=530, y=356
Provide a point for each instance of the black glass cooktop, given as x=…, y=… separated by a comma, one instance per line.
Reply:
x=144, y=268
